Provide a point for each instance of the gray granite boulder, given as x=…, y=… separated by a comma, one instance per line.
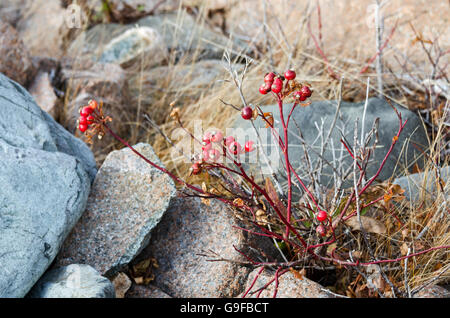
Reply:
x=73, y=281
x=310, y=118
x=177, y=33
x=45, y=177
x=127, y=201
x=43, y=195
x=25, y=125
x=190, y=230
x=426, y=183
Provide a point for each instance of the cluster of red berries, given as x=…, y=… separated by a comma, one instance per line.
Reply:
x=86, y=117
x=274, y=83
x=214, y=146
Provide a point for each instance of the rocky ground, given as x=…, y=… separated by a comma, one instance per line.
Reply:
x=70, y=227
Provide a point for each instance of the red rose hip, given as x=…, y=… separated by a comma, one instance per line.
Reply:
x=247, y=113
x=86, y=111
x=269, y=78
x=264, y=88
x=305, y=91
x=82, y=127
x=289, y=75
x=321, y=216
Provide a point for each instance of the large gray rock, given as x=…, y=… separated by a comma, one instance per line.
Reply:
x=73, y=281
x=423, y=183
x=127, y=201
x=179, y=33
x=190, y=228
x=308, y=117
x=25, y=125
x=43, y=195
x=45, y=180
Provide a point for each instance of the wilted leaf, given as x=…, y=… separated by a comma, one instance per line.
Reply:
x=270, y=189
x=370, y=225
x=394, y=192
x=298, y=274
x=121, y=284
x=269, y=119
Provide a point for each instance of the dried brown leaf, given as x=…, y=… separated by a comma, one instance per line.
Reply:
x=270, y=189
x=370, y=225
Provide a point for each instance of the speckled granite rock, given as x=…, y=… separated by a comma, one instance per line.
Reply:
x=288, y=286
x=190, y=228
x=149, y=291
x=73, y=281
x=127, y=201
x=433, y=291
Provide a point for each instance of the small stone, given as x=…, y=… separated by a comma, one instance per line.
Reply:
x=127, y=201
x=73, y=281
x=289, y=286
x=42, y=90
x=133, y=45
x=121, y=284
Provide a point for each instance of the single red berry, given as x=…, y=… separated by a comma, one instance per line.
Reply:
x=83, y=120
x=235, y=148
x=321, y=216
x=289, y=75
x=248, y=147
x=269, y=78
x=265, y=88
x=306, y=91
x=321, y=230
x=277, y=85
x=90, y=119
x=247, y=112
x=82, y=127
x=86, y=111
x=93, y=104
